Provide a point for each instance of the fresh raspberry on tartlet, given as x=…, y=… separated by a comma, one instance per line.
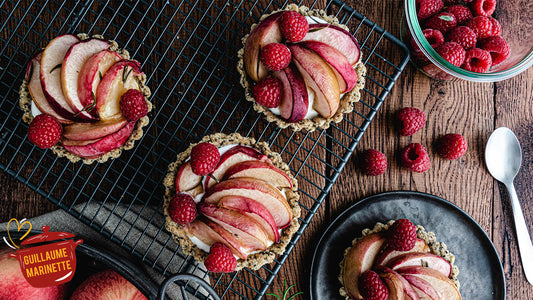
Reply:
x=371, y=269
x=247, y=202
x=94, y=90
x=314, y=58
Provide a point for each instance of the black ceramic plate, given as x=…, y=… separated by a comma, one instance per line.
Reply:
x=480, y=270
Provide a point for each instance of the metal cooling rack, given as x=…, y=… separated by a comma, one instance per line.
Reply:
x=188, y=50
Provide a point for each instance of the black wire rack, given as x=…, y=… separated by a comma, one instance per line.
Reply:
x=188, y=50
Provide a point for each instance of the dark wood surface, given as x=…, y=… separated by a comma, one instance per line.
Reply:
x=471, y=109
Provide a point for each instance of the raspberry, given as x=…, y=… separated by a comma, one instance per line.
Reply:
x=477, y=60
x=452, y=52
x=373, y=162
x=496, y=27
x=220, y=259
x=133, y=106
x=481, y=25
x=498, y=48
x=463, y=36
x=182, y=208
x=372, y=287
x=427, y=8
x=462, y=13
x=415, y=158
x=443, y=22
x=275, y=56
x=452, y=146
x=44, y=131
x=434, y=38
x=401, y=235
x=293, y=26
x=204, y=158
x=450, y=2
x=267, y=92
x=484, y=7
x=410, y=120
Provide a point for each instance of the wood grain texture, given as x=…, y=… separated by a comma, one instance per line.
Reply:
x=471, y=109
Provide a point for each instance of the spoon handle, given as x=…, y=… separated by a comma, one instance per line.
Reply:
x=524, y=240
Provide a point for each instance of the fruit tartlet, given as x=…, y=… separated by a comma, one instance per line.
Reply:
x=301, y=68
x=231, y=202
x=84, y=98
x=398, y=260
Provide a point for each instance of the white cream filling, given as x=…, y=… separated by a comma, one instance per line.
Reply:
x=205, y=247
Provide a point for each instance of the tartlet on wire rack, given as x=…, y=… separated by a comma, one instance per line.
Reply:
x=313, y=77
x=249, y=202
x=79, y=81
x=425, y=271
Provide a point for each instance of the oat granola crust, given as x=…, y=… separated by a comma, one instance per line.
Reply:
x=437, y=248
x=25, y=105
x=254, y=261
x=346, y=102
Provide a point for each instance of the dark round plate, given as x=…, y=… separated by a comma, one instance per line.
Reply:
x=480, y=270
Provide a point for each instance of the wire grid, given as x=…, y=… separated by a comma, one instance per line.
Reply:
x=188, y=50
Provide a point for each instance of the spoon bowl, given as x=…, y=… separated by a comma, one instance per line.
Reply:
x=503, y=157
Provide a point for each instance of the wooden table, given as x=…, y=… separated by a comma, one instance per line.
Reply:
x=471, y=109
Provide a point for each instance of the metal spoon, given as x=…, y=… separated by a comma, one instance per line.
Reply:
x=503, y=157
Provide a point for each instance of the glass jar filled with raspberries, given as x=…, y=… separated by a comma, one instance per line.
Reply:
x=474, y=40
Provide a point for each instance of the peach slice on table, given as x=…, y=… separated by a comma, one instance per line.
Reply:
x=319, y=77
x=92, y=131
x=75, y=58
x=259, y=170
x=241, y=225
x=266, y=32
x=295, y=99
x=50, y=74
x=232, y=156
x=427, y=260
x=443, y=286
x=104, y=145
x=33, y=76
x=388, y=254
x=186, y=179
x=257, y=190
x=91, y=74
x=210, y=232
x=346, y=75
x=255, y=210
x=121, y=76
x=358, y=260
x=337, y=38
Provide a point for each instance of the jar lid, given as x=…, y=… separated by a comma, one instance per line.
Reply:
x=47, y=236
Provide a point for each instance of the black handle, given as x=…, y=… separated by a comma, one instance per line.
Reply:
x=186, y=277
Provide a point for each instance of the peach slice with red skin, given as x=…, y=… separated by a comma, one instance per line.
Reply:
x=106, y=285
x=294, y=97
x=33, y=76
x=255, y=210
x=260, y=170
x=104, y=145
x=394, y=284
x=388, y=254
x=121, y=76
x=257, y=190
x=423, y=289
x=232, y=156
x=75, y=58
x=92, y=131
x=408, y=291
x=186, y=179
x=337, y=38
x=247, y=229
x=346, y=75
x=266, y=32
x=91, y=73
x=319, y=77
x=50, y=74
x=443, y=286
x=358, y=260
x=428, y=260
